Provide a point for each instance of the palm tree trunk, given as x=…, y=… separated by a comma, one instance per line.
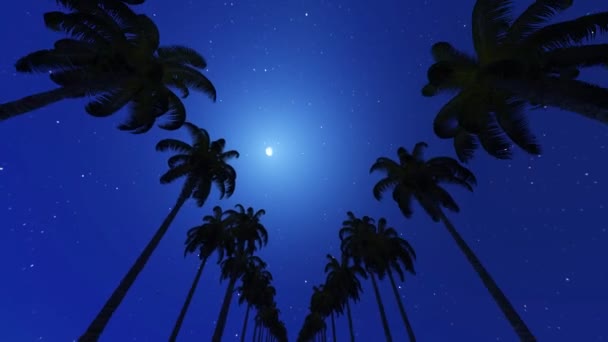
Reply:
x=255, y=331
x=333, y=327
x=518, y=325
x=97, y=326
x=244, y=330
x=387, y=331
x=350, y=322
x=182, y=314
x=221, y=321
x=29, y=103
x=406, y=321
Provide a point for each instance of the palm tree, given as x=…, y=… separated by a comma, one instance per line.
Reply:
x=360, y=242
x=344, y=284
x=233, y=268
x=323, y=302
x=411, y=177
x=256, y=291
x=113, y=55
x=397, y=252
x=250, y=231
x=207, y=238
x=249, y=235
x=202, y=164
x=516, y=62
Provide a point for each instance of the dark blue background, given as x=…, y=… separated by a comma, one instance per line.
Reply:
x=330, y=85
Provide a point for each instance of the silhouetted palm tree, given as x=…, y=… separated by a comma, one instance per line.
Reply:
x=516, y=62
x=344, y=284
x=249, y=235
x=211, y=236
x=202, y=163
x=411, y=177
x=250, y=231
x=359, y=241
x=233, y=267
x=255, y=290
x=397, y=253
x=114, y=56
x=323, y=302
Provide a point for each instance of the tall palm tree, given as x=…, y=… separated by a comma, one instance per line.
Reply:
x=233, y=267
x=360, y=242
x=250, y=231
x=323, y=302
x=256, y=290
x=397, y=253
x=249, y=235
x=516, y=62
x=201, y=164
x=344, y=284
x=205, y=239
x=412, y=177
x=113, y=55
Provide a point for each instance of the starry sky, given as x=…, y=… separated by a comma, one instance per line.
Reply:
x=330, y=86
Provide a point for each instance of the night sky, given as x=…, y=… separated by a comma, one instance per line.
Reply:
x=330, y=86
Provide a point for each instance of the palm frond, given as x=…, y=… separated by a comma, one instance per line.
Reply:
x=176, y=115
x=173, y=145
x=173, y=174
x=192, y=78
x=382, y=186
x=568, y=33
x=181, y=55
x=465, y=145
x=577, y=56
x=512, y=120
x=538, y=13
x=491, y=20
x=111, y=101
x=43, y=61
x=445, y=52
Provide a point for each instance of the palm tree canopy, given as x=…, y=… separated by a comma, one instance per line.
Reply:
x=494, y=86
x=212, y=235
x=202, y=163
x=412, y=177
x=247, y=228
x=113, y=55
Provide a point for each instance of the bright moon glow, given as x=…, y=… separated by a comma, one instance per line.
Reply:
x=269, y=151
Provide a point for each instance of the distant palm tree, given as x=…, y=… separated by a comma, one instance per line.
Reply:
x=397, y=252
x=343, y=282
x=256, y=290
x=411, y=177
x=114, y=56
x=202, y=163
x=211, y=236
x=359, y=241
x=250, y=231
x=249, y=235
x=84, y=5
x=233, y=267
x=516, y=62
x=323, y=302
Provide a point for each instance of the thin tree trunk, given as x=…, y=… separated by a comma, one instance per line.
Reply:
x=333, y=327
x=387, y=331
x=32, y=102
x=97, y=326
x=518, y=325
x=244, y=330
x=182, y=314
x=350, y=322
x=406, y=321
x=221, y=321
x=255, y=331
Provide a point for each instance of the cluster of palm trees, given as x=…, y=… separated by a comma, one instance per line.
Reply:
x=113, y=58
x=368, y=250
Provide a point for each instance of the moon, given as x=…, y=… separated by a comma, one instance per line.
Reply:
x=269, y=151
